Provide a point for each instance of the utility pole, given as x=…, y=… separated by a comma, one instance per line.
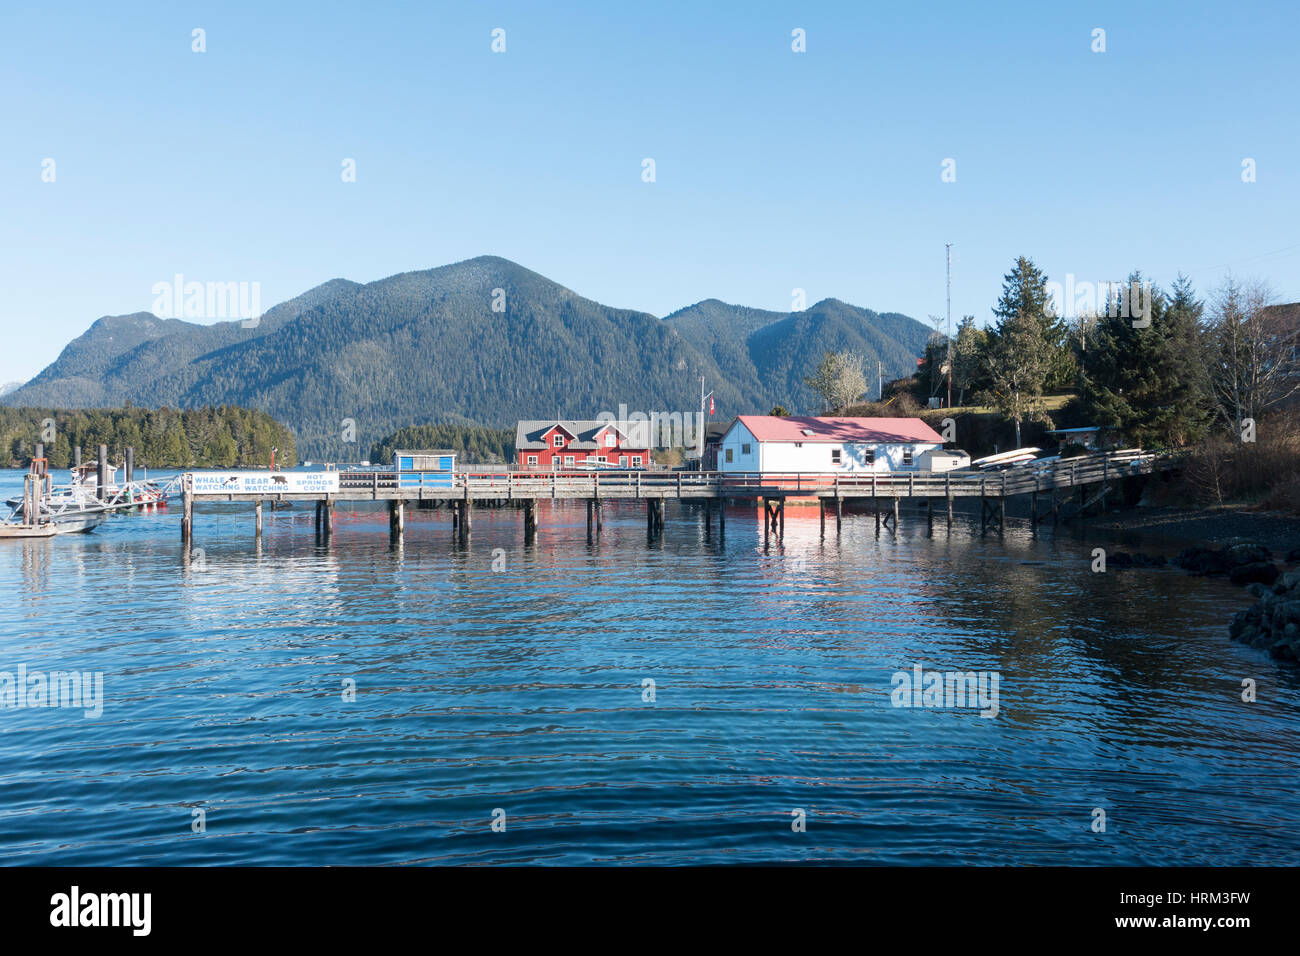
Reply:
x=880, y=381
x=948, y=247
x=700, y=441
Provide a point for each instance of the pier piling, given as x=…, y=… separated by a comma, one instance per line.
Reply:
x=396, y=520
x=101, y=473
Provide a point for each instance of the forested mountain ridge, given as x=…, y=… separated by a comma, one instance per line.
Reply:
x=345, y=364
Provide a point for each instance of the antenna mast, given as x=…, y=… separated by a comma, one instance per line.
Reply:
x=948, y=246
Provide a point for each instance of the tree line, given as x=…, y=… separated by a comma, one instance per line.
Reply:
x=226, y=436
x=1159, y=368
x=473, y=444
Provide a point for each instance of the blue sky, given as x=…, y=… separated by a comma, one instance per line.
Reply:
x=775, y=170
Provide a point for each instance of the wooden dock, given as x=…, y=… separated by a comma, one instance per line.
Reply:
x=1048, y=486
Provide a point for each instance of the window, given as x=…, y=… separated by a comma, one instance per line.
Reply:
x=835, y=456
x=532, y=459
x=568, y=461
x=729, y=451
x=798, y=444
x=907, y=456
x=600, y=458
x=611, y=440
x=557, y=440
x=622, y=461
x=636, y=461
x=869, y=456
x=745, y=449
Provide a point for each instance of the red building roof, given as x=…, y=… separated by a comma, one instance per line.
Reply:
x=798, y=428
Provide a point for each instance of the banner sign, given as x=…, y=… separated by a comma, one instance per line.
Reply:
x=266, y=482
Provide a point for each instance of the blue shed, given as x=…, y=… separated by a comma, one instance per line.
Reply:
x=424, y=469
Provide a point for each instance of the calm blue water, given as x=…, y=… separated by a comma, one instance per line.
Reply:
x=521, y=689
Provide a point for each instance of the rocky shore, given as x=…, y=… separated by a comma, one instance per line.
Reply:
x=1250, y=548
x=1273, y=623
x=1278, y=532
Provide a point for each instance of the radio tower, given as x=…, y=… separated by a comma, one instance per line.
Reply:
x=948, y=246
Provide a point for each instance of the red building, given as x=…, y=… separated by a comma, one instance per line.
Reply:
x=557, y=445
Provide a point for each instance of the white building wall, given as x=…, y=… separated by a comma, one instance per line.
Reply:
x=775, y=457
x=735, y=442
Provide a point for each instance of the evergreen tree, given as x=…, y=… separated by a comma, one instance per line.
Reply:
x=1024, y=293
x=1147, y=380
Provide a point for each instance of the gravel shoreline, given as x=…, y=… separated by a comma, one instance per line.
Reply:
x=1278, y=532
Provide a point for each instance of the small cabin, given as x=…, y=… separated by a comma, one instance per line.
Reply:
x=944, y=459
x=425, y=469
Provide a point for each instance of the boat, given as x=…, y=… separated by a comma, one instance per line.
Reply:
x=1005, y=459
x=36, y=518
x=75, y=523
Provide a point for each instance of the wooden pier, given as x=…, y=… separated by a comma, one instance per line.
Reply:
x=1055, y=491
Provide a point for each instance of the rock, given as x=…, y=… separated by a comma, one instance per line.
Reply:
x=1259, y=590
x=1245, y=553
x=1222, y=560
x=1119, y=559
x=1203, y=561
x=1264, y=572
x=1293, y=556
x=1150, y=560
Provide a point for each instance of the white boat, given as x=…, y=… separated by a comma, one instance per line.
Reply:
x=74, y=522
x=1005, y=459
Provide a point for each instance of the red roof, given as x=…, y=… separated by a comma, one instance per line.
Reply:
x=797, y=428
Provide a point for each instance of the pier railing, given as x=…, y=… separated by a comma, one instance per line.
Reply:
x=1034, y=476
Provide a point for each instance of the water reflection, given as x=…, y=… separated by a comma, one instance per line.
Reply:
x=510, y=673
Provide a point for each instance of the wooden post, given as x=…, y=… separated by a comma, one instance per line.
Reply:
x=530, y=519
x=781, y=505
x=257, y=520
x=1002, y=515
x=187, y=512
x=895, y=513
x=327, y=518
x=396, y=519
x=875, y=507
x=600, y=512
x=722, y=516
x=947, y=490
x=821, y=511
x=591, y=507
x=839, y=513
x=1033, y=510
x=929, y=517
x=466, y=507
x=101, y=473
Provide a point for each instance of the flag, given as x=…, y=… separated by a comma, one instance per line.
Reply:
x=711, y=407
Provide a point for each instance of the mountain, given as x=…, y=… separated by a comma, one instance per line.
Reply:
x=769, y=354
x=427, y=346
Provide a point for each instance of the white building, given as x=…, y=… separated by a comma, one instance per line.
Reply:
x=767, y=444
